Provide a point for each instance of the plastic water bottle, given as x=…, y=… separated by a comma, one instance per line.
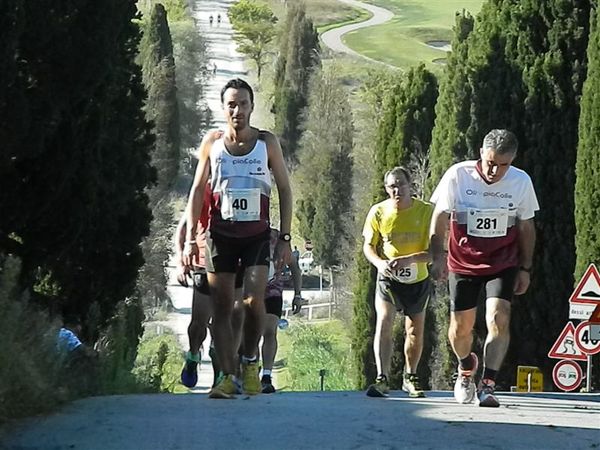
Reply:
x=283, y=324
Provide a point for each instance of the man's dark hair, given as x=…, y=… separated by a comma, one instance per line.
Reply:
x=503, y=142
x=71, y=320
x=397, y=171
x=237, y=83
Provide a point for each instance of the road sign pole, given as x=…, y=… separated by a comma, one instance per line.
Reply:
x=588, y=374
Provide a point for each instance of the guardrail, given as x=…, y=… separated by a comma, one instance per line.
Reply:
x=288, y=311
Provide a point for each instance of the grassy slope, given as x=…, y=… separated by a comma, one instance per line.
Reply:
x=401, y=42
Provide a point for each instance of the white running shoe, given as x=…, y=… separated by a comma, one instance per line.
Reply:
x=464, y=388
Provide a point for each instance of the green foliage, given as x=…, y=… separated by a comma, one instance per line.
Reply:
x=316, y=347
x=74, y=162
x=190, y=51
x=453, y=107
x=587, y=187
x=254, y=25
x=28, y=362
x=522, y=67
x=408, y=116
x=118, y=348
x=297, y=59
x=325, y=170
x=158, y=363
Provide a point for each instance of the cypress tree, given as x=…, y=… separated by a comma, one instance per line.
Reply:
x=587, y=186
x=299, y=56
x=404, y=138
x=325, y=170
x=158, y=68
x=75, y=153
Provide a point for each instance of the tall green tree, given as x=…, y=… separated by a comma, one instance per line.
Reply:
x=325, y=170
x=297, y=59
x=587, y=187
x=74, y=162
x=158, y=68
x=525, y=62
x=403, y=138
x=254, y=26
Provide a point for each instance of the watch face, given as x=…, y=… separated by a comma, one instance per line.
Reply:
x=285, y=237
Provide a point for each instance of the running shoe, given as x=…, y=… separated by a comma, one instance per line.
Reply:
x=412, y=385
x=485, y=394
x=267, y=385
x=464, y=388
x=189, y=373
x=250, y=380
x=225, y=388
x=380, y=388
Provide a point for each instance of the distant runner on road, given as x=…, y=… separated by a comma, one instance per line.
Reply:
x=490, y=207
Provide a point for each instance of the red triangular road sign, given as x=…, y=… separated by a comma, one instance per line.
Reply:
x=588, y=289
x=595, y=317
x=565, y=346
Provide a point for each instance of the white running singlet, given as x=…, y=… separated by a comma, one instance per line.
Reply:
x=483, y=238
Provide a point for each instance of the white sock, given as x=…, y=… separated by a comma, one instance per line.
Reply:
x=246, y=360
x=266, y=372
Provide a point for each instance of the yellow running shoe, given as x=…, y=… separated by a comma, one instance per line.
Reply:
x=225, y=388
x=250, y=380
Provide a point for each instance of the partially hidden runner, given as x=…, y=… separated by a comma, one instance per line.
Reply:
x=201, y=304
x=274, y=309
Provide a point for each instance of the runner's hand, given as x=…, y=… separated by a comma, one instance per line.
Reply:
x=439, y=267
x=400, y=262
x=182, y=273
x=297, y=303
x=522, y=282
x=190, y=254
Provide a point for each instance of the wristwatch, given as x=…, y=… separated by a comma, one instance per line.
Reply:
x=286, y=237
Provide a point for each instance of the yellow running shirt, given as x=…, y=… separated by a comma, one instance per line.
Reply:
x=400, y=233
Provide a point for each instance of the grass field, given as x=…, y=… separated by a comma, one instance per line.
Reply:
x=402, y=41
x=324, y=12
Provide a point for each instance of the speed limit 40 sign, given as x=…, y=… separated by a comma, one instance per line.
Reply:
x=584, y=341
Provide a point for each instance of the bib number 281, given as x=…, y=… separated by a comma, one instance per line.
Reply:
x=487, y=223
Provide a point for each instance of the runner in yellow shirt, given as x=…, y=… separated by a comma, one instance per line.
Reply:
x=396, y=234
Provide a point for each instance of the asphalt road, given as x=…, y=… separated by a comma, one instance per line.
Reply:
x=309, y=420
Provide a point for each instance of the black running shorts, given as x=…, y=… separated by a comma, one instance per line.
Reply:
x=274, y=305
x=201, y=281
x=465, y=289
x=408, y=298
x=223, y=253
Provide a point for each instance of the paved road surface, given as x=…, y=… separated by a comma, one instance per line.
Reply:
x=333, y=38
x=324, y=420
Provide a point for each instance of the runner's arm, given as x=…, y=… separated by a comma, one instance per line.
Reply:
x=282, y=180
x=437, y=233
x=526, y=247
x=196, y=197
x=283, y=250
